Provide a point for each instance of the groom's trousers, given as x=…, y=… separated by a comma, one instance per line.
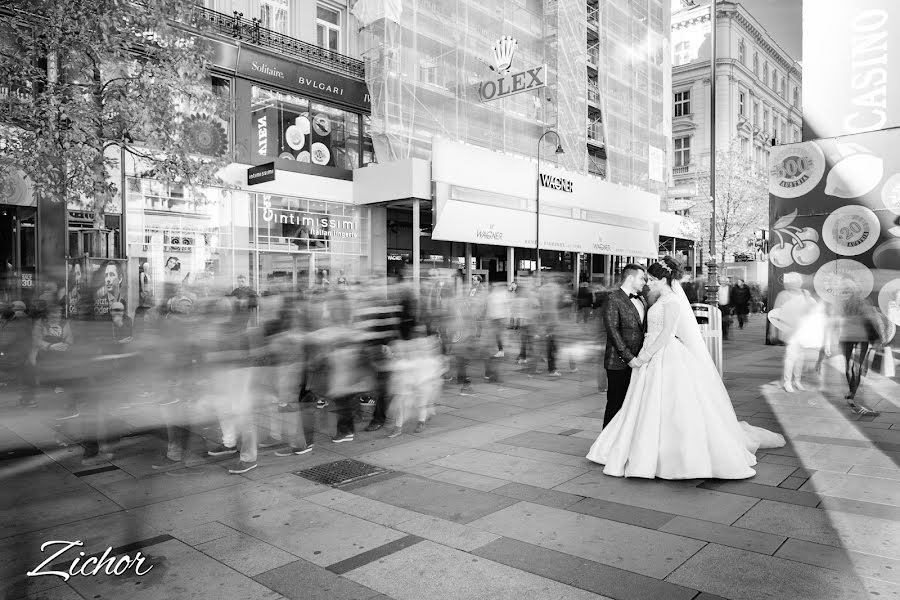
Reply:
x=618, y=381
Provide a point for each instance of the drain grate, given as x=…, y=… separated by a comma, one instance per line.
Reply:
x=340, y=472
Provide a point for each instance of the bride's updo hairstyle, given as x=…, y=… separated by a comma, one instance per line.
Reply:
x=668, y=268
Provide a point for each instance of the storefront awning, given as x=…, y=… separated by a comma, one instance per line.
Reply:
x=461, y=221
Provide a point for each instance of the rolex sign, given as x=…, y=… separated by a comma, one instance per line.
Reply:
x=510, y=82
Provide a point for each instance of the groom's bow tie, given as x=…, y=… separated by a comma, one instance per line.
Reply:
x=635, y=296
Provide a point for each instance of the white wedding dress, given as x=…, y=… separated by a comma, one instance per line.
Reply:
x=677, y=421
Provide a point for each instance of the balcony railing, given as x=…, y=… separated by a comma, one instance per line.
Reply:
x=249, y=30
x=683, y=170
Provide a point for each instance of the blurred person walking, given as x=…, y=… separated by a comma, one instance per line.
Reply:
x=15, y=351
x=740, y=302
x=859, y=330
x=791, y=317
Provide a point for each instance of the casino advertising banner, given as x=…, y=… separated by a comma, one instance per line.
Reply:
x=834, y=210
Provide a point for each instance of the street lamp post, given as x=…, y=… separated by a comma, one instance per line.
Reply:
x=537, y=210
x=712, y=281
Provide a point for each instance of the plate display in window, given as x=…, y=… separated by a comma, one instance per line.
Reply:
x=320, y=153
x=294, y=137
x=286, y=156
x=303, y=123
x=303, y=157
x=321, y=124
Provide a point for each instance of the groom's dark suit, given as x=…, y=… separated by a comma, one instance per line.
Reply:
x=625, y=328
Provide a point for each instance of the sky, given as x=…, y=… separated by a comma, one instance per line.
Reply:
x=783, y=20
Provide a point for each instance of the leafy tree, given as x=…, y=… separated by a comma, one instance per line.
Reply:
x=86, y=78
x=742, y=200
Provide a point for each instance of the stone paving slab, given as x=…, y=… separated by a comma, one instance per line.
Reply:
x=841, y=559
x=489, y=411
x=365, y=508
x=615, y=544
x=755, y=490
x=435, y=498
x=179, y=571
x=538, y=495
x=832, y=528
x=470, y=480
x=623, y=513
x=411, y=453
x=245, y=554
x=436, y=572
x=302, y=580
x=201, y=534
x=314, y=533
x=854, y=487
x=447, y=533
x=510, y=468
x=771, y=474
x=553, y=458
x=550, y=443
x=726, y=535
x=677, y=498
x=858, y=507
x=578, y=572
x=743, y=575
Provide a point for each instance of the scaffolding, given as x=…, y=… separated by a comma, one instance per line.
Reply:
x=425, y=60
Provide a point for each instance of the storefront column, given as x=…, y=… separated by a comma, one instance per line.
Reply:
x=577, y=271
x=468, y=281
x=607, y=270
x=416, y=245
x=510, y=265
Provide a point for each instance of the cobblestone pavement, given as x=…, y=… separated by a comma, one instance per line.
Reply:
x=494, y=500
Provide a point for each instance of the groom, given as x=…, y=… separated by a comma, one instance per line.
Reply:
x=625, y=321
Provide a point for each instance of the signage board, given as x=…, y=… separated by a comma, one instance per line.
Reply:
x=261, y=173
x=303, y=78
x=850, y=70
x=509, y=83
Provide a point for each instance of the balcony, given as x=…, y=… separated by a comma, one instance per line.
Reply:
x=249, y=30
x=682, y=170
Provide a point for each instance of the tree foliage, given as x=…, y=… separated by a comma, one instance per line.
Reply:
x=742, y=200
x=88, y=76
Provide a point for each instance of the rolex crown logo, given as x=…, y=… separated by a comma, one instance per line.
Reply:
x=504, y=49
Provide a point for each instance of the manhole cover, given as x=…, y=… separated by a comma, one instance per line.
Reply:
x=340, y=472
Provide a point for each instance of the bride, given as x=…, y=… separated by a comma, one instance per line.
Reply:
x=677, y=421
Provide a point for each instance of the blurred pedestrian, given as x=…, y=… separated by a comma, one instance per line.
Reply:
x=859, y=330
x=740, y=301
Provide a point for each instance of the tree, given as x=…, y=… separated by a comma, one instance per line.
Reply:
x=742, y=199
x=90, y=77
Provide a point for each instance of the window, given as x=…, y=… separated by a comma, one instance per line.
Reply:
x=742, y=104
x=745, y=148
x=796, y=135
x=742, y=53
x=765, y=76
x=774, y=84
x=273, y=14
x=756, y=64
x=796, y=96
x=428, y=70
x=756, y=114
x=682, y=151
x=765, y=120
x=782, y=138
x=682, y=54
x=682, y=103
x=783, y=90
x=328, y=28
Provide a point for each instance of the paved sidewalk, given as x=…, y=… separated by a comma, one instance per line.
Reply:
x=494, y=500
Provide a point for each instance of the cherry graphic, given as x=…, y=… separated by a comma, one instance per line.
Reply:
x=805, y=253
x=780, y=255
x=807, y=233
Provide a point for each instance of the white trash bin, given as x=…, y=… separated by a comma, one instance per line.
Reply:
x=709, y=318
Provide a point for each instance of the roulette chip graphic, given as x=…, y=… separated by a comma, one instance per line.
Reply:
x=320, y=154
x=321, y=125
x=827, y=280
x=303, y=157
x=294, y=137
x=286, y=156
x=303, y=123
x=851, y=230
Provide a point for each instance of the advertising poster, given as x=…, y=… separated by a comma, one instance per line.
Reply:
x=95, y=284
x=834, y=210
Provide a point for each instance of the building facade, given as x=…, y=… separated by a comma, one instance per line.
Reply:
x=758, y=85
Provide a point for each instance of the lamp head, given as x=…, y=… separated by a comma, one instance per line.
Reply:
x=559, y=149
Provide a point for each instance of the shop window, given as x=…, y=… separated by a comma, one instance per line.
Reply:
x=293, y=128
x=682, y=103
x=328, y=27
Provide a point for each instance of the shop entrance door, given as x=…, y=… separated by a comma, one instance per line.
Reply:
x=284, y=272
x=18, y=252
